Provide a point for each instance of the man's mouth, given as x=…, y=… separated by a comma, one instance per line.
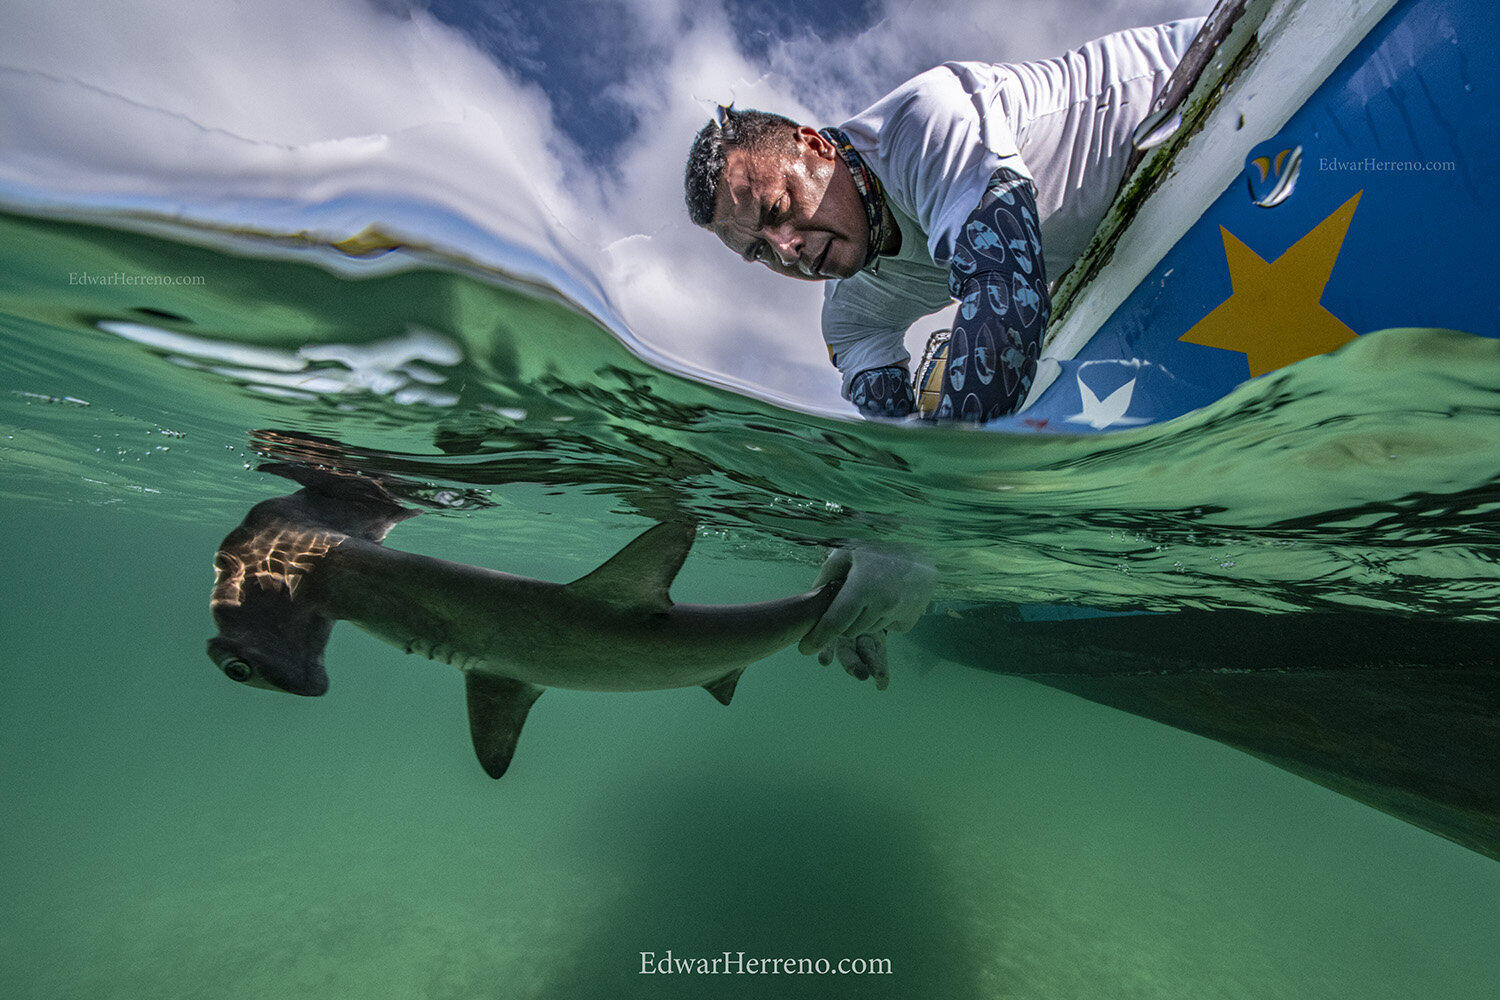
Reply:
x=817, y=267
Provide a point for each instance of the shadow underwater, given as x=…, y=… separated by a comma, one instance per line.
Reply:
x=1400, y=713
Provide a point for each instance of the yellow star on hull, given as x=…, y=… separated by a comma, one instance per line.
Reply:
x=1274, y=315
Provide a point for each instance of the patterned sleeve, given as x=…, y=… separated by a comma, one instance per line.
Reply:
x=882, y=392
x=997, y=276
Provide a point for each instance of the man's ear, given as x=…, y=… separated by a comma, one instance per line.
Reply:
x=814, y=140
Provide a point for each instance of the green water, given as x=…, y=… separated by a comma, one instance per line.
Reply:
x=170, y=834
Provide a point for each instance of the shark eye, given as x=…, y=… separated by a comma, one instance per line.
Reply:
x=237, y=670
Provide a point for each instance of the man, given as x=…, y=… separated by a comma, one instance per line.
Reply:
x=972, y=181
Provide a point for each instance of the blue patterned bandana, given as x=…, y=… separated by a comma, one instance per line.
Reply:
x=871, y=194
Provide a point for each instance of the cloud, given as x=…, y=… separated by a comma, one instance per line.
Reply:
x=330, y=114
x=907, y=37
x=220, y=110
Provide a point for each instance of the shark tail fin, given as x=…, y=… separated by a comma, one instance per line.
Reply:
x=497, y=711
x=352, y=504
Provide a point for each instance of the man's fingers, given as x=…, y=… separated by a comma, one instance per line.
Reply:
x=841, y=613
x=835, y=567
x=872, y=653
x=854, y=664
x=871, y=649
x=863, y=657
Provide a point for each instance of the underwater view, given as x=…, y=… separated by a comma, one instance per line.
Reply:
x=962, y=833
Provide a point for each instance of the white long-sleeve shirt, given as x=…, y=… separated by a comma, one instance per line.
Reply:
x=934, y=142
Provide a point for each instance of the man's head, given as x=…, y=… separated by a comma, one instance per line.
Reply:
x=779, y=193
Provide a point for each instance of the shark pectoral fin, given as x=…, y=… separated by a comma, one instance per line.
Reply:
x=723, y=688
x=639, y=576
x=497, y=711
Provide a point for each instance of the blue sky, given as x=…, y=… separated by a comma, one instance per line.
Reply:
x=580, y=50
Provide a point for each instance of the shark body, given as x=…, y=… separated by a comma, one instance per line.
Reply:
x=298, y=563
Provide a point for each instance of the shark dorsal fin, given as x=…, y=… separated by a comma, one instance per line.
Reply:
x=497, y=711
x=639, y=576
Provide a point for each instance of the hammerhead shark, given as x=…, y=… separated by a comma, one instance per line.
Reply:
x=298, y=563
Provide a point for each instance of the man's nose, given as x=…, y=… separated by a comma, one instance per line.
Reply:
x=787, y=245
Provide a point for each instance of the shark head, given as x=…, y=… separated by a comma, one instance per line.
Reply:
x=272, y=628
x=255, y=668
x=268, y=642
x=271, y=632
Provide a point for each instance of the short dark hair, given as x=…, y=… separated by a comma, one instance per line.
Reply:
x=731, y=129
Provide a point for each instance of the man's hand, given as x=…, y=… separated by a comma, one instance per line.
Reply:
x=882, y=592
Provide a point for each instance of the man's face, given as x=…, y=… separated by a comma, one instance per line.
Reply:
x=797, y=212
